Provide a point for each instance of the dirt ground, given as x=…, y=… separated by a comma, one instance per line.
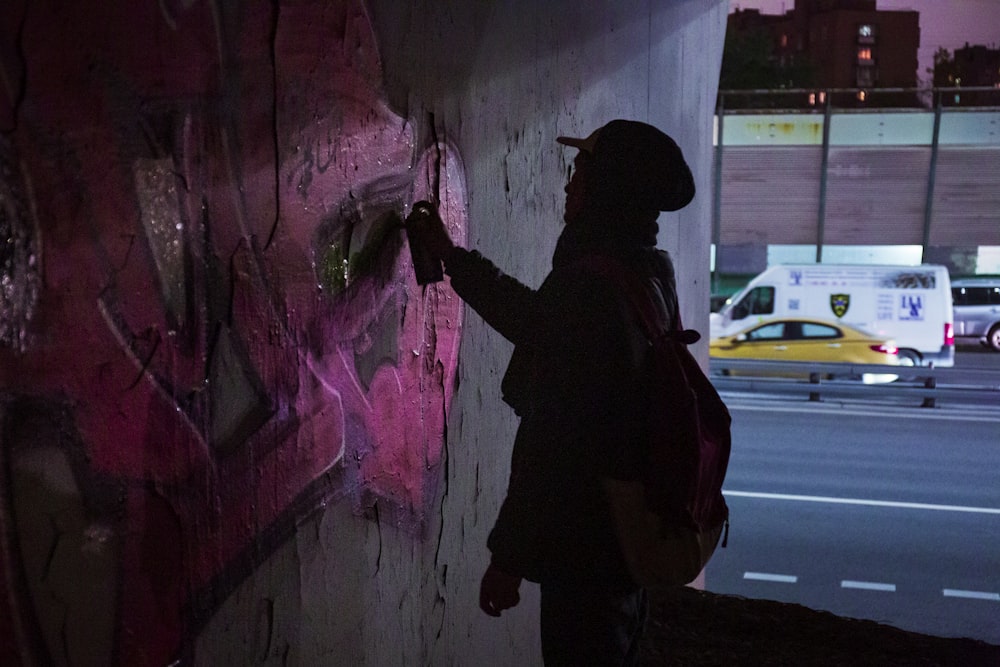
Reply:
x=692, y=627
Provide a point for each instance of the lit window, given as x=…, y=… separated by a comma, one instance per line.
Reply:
x=864, y=30
x=864, y=54
x=784, y=40
x=862, y=96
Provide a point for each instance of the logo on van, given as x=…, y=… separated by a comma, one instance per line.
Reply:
x=911, y=307
x=839, y=303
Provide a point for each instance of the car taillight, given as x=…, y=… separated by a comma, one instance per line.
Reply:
x=949, y=334
x=885, y=349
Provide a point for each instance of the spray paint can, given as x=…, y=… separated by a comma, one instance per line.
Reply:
x=427, y=269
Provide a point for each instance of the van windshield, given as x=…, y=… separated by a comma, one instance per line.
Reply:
x=758, y=301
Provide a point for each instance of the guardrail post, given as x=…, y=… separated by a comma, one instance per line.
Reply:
x=814, y=379
x=929, y=383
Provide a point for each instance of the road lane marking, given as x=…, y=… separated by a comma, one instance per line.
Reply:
x=911, y=411
x=970, y=595
x=764, y=576
x=868, y=586
x=863, y=501
x=872, y=586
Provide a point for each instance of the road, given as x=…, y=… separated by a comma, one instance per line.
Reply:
x=977, y=357
x=890, y=514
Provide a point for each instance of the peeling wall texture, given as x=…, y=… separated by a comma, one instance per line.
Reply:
x=233, y=428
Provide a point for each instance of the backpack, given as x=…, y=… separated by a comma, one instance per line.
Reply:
x=670, y=521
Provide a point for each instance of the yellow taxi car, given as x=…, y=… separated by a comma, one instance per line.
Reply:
x=806, y=339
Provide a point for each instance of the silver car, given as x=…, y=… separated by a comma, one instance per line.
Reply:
x=977, y=311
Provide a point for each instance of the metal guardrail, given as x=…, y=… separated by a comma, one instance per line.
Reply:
x=925, y=385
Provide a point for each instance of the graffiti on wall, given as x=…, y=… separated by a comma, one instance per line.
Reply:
x=209, y=324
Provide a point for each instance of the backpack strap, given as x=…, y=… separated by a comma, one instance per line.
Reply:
x=645, y=297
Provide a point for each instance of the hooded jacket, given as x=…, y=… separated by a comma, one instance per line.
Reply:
x=573, y=380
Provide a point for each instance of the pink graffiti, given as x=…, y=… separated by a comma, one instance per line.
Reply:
x=227, y=328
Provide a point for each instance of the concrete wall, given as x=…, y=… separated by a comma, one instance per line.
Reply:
x=230, y=434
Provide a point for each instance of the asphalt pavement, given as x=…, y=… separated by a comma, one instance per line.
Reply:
x=976, y=357
x=884, y=513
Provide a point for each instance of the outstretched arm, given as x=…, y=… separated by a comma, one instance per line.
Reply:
x=503, y=301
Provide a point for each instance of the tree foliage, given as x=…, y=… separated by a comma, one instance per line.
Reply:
x=746, y=62
x=944, y=71
x=749, y=62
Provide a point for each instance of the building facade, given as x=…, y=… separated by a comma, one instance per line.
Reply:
x=846, y=44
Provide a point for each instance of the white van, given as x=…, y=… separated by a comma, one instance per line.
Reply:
x=910, y=304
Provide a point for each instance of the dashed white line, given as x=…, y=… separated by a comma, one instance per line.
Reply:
x=868, y=586
x=765, y=576
x=862, y=501
x=872, y=586
x=971, y=595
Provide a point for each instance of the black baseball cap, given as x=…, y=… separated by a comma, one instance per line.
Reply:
x=638, y=163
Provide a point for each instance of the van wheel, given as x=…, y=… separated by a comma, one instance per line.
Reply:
x=909, y=358
x=993, y=338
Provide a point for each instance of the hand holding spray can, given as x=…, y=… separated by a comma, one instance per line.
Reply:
x=425, y=266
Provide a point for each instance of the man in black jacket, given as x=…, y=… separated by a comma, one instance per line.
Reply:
x=574, y=382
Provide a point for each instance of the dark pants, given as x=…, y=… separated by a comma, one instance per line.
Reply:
x=591, y=625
